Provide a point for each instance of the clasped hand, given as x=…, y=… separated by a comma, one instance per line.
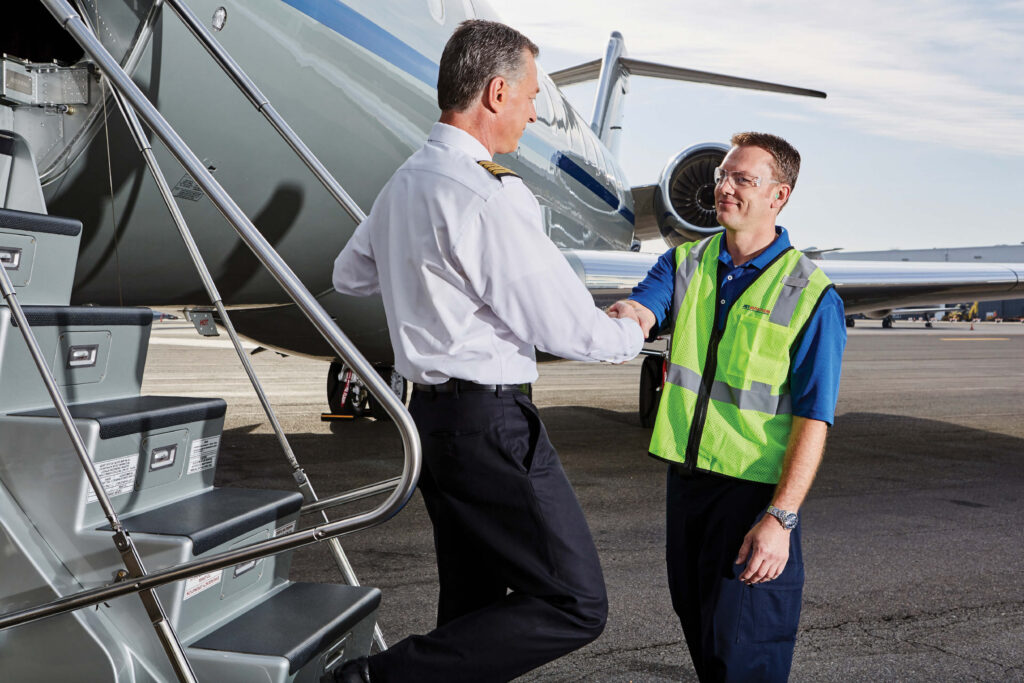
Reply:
x=627, y=308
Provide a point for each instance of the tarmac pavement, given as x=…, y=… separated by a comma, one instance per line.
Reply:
x=912, y=532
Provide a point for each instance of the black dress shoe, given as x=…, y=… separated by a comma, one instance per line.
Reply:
x=354, y=671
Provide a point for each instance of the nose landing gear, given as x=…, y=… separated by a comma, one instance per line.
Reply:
x=348, y=397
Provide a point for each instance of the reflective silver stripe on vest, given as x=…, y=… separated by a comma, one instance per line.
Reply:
x=684, y=275
x=758, y=397
x=683, y=377
x=792, y=287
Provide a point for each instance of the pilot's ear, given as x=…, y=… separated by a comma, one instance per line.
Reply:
x=496, y=93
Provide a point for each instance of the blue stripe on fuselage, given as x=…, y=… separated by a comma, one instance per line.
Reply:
x=346, y=22
x=588, y=181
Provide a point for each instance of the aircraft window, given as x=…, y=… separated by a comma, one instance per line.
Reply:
x=545, y=112
x=436, y=10
x=555, y=99
x=591, y=146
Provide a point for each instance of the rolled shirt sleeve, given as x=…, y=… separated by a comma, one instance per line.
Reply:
x=521, y=275
x=355, y=270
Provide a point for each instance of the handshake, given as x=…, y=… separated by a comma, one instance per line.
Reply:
x=627, y=308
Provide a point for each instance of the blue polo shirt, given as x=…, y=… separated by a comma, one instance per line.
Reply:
x=817, y=360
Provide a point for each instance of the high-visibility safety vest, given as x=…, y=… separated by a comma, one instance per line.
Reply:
x=726, y=406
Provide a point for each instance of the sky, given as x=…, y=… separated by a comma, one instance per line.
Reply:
x=919, y=144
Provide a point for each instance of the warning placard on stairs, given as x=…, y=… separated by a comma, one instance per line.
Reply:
x=203, y=455
x=117, y=476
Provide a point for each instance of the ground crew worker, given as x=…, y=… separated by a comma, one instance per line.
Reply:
x=470, y=283
x=757, y=339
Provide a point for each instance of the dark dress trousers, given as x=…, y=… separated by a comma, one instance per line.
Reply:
x=520, y=582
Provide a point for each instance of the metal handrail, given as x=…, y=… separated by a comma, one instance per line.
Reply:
x=350, y=496
x=71, y=22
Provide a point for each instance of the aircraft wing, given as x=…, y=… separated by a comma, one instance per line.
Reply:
x=865, y=286
x=880, y=286
x=591, y=70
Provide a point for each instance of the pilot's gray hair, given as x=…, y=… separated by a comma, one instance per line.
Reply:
x=478, y=52
x=785, y=158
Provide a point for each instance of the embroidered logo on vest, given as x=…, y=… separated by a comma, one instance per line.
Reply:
x=755, y=309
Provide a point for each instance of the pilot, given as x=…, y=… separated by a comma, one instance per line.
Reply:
x=750, y=390
x=471, y=285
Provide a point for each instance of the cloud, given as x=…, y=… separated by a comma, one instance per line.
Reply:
x=926, y=70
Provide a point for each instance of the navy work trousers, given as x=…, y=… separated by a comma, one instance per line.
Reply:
x=520, y=581
x=734, y=632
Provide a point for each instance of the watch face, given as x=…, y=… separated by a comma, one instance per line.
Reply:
x=788, y=519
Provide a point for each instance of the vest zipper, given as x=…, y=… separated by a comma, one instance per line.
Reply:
x=700, y=413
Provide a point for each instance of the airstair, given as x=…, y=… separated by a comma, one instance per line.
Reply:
x=119, y=558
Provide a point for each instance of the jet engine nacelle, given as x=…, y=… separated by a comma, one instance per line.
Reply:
x=684, y=200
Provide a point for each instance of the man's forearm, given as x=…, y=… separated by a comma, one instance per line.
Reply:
x=803, y=456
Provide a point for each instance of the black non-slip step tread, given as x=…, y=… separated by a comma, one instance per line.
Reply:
x=215, y=516
x=39, y=222
x=136, y=414
x=70, y=316
x=297, y=623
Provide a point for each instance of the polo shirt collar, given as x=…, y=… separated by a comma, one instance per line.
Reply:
x=459, y=139
x=780, y=244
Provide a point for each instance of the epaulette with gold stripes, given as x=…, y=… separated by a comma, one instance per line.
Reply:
x=497, y=170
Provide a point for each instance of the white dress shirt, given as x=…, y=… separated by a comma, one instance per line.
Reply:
x=470, y=282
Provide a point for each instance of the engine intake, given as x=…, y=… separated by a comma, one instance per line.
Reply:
x=684, y=201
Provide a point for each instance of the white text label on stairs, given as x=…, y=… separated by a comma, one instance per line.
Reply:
x=204, y=454
x=197, y=584
x=117, y=475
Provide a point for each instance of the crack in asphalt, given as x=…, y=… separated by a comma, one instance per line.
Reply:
x=912, y=616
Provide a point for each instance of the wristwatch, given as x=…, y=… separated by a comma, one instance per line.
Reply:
x=787, y=519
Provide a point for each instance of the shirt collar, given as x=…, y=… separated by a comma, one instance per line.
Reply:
x=459, y=139
x=780, y=244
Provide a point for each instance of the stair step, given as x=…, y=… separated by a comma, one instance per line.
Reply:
x=215, y=517
x=149, y=451
x=94, y=353
x=305, y=626
x=136, y=414
x=91, y=316
x=40, y=253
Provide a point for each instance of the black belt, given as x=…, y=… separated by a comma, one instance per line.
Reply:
x=454, y=386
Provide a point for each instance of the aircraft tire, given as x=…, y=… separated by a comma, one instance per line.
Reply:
x=651, y=374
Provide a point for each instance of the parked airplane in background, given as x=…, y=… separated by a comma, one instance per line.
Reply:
x=356, y=80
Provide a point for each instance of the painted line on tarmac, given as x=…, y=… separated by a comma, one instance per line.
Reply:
x=975, y=338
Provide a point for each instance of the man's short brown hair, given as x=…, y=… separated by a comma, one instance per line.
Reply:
x=476, y=53
x=785, y=158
